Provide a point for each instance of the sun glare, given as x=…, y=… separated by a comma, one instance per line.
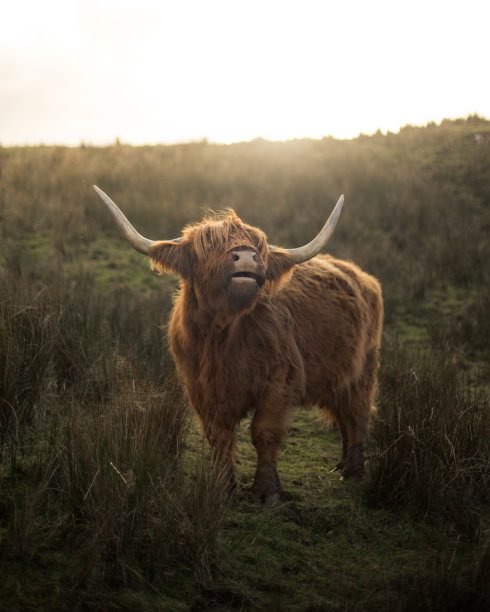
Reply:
x=92, y=71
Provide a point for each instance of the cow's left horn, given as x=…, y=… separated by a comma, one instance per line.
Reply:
x=308, y=251
x=136, y=240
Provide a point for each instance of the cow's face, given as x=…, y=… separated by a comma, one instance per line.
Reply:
x=227, y=263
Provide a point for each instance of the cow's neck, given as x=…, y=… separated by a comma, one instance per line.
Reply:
x=203, y=315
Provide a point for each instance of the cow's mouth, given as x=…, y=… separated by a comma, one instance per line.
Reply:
x=247, y=277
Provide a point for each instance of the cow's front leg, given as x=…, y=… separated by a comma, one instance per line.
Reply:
x=268, y=432
x=221, y=438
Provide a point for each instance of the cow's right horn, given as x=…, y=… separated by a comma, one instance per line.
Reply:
x=136, y=240
x=308, y=251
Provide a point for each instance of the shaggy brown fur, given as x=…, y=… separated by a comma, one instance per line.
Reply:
x=300, y=334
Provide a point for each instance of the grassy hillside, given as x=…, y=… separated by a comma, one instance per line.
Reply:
x=107, y=497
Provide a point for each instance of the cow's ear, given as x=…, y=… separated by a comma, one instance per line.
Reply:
x=280, y=267
x=173, y=257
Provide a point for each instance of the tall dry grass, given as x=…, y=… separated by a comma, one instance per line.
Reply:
x=93, y=436
x=432, y=439
x=110, y=486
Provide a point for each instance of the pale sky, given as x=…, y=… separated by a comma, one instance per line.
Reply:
x=160, y=71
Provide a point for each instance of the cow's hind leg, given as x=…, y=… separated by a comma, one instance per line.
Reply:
x=268, y=430
x=352, y=409
x=339, y=466
x=352, y=418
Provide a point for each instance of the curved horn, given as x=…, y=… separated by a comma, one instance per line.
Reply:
x=308, y=251
x=136, y=240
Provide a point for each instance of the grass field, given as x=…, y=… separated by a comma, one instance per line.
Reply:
x=108, y=499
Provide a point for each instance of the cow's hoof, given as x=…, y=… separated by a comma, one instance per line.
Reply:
x=338, y=467
x=272, y=500
x=351, y=473
x=265, y=498
x=353, y=465
x=357, y=477
x=267, y=486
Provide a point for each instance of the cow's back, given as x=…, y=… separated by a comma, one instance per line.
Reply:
x=337, y=309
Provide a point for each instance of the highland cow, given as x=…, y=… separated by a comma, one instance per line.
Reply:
x=262, y=329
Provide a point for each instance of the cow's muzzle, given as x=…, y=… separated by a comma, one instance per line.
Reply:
x=247, y=268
